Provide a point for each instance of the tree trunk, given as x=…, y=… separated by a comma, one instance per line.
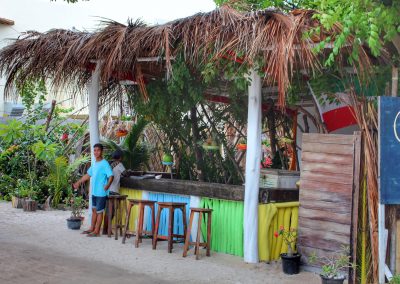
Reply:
x=50, y=115
x=196, y=139
x=228, y=153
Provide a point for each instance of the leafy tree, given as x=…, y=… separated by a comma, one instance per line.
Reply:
x=371, y=22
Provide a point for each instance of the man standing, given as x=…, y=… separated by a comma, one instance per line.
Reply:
x=101, y=176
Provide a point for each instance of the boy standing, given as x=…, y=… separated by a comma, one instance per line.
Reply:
x=101, y=176
x=118, y=170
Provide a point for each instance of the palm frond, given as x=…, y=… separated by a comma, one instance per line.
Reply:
x=134, y=134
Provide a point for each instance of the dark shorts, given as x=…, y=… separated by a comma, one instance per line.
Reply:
x=99, y=202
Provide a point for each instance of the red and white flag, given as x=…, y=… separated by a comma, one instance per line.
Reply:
x=336, y=112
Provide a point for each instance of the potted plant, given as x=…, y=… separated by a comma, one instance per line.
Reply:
x=210, y=145
x=26, y=195
x=167, y=158
x=16, y=199
x=290, y=260
x=242, y=145
x=77, y=204
x=29, y=203
x=334, y=267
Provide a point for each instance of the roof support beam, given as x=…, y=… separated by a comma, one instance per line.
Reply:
x=153, y=59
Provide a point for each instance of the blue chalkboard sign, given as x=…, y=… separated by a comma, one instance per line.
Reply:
x=389, y=150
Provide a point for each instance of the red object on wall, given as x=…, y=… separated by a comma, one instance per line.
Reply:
x=339, y=118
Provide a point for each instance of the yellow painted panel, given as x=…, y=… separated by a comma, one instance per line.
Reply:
x=132, y=194
x=269, y=247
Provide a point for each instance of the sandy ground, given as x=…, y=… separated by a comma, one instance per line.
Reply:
x=37, y=247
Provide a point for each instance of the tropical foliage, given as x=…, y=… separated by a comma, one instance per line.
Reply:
x=134, y=150
x=33, y=159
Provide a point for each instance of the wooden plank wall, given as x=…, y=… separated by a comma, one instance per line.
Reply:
x=326, y=190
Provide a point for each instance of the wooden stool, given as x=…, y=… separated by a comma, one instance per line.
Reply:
x=171, y=206
x=119, y=203
x=197, y=244
x=140, y=233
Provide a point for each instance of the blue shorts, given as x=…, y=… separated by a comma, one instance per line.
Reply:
x=99, y=203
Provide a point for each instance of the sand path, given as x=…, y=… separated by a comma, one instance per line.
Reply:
x=37, y=247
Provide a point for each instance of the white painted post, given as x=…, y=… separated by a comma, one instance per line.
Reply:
x=253, y=156
x=382, y=242
x=93, y=90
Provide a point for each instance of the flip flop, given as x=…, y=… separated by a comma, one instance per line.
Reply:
x=86, y=232
x=93, y=235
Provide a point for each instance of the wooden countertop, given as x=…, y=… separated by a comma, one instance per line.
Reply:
x=210, y=190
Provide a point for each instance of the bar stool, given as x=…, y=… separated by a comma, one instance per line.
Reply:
x=197, y=244
x=171, y=206
x=140, y=233
x=119, y=203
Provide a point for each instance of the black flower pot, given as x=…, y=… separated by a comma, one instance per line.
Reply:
x=325, y=280
x=74, y=224
x=290, y=264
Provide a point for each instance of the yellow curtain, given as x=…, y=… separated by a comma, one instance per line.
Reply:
x=270, y=217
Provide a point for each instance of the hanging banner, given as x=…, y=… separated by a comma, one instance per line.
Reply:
x=389, y=150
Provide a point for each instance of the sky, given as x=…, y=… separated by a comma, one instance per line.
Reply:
x=43, y=15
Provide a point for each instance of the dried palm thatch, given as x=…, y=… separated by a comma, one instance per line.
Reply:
x=367, y=118
x=66, y=57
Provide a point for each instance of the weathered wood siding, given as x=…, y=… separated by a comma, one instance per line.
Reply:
x=326, y=193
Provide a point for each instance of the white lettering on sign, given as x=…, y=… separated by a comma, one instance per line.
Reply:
x=395, y=128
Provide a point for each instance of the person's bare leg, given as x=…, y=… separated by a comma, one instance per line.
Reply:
x=94, y=218
x=98, y=223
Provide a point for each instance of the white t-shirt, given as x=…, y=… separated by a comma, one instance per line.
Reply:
x=117, y=171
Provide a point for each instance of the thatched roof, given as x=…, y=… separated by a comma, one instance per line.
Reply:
x=66, y=56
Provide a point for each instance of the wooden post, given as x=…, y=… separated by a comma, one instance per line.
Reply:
x=196, y=139
x=395, y=81
x=271, y=126
x=355, y=205
x=252, y=178
x=306, y=126
x=397, y=247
